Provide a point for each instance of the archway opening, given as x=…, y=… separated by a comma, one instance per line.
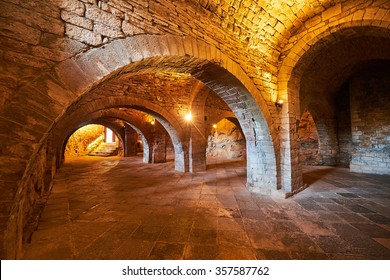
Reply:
x=225, y=143
x=92, y=140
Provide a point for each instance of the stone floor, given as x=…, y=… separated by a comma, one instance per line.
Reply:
x=121, y=208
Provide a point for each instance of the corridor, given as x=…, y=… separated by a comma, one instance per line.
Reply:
x=121, y=208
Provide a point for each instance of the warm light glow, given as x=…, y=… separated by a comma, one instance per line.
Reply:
x=214, y=125
x=152, y=122
x=109, y=136
x=149, y=118
x=188, y=117
x=280, y=101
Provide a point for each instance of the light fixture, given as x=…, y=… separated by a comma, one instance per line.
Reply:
x=214, y=125
x=152, y=122
x=279, y=103
x=188, y=117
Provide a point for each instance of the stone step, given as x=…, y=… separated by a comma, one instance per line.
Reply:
x=105, y=150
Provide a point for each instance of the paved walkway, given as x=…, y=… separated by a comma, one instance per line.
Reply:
x=121, y=208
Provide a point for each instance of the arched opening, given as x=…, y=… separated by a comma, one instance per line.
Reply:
x=225, y=142
x=178, y=75
x=92, y=140
x=319, y=79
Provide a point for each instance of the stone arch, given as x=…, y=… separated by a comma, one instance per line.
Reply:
x=133, y=121
x=227, y=115
x=327, y=134
x=205, y=63
x=145, y=142
x=297, y=55
x=226, y=140
x=115, y=128
x=157, y=112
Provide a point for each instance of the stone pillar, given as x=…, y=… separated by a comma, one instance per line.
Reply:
x=130, y=148
x=159, y=150
x=291, y=168
x=197, y=144
x=328, y=147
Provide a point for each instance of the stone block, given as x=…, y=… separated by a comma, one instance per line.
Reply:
x=129, y=29
x=107, y=30
x=61, y=43
x=97, y=15
x=53, y=88
x=331, y=12
x=74, y=6
x=19, y=31
x=9, y=44
x=76, y=20
x=72, y=76
x=83, y=35
x=27, y=60
x=49, y=54
x=11, y=167
x=42, y=6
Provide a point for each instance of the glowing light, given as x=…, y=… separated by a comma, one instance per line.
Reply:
x=152, y=122
x=214, y=125
x=109, y=136
x=279, y=103
x=188, y=117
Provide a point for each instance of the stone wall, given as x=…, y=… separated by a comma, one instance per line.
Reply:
x=53, y=52
x=370, y=118
x=226, y=141
x=344, y=136
x=308, y=137
x=78, y=143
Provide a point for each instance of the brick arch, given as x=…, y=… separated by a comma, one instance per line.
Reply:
x=115, y=128
x=160, y=114
x=297, y=55
x=205, y=63
x=327, y=136
x=144, y=140
x=226, y=115
x=304, y=47
x=135, y=122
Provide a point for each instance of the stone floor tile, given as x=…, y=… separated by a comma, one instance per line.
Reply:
x=383, y=241
x=121, y=208
x=262, y=254
x=167, y=251
x=233, y=238
x=201, y=252
x=225, y=223
x=331, y=244
x=235, y=253
x=175, y=234
x=372, y=230
x=147, y=232
x=376, y=218
x=133, y=249
x=203, y=236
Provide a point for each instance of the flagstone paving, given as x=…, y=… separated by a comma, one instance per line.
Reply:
x=121, y=208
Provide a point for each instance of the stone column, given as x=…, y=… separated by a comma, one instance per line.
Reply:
x=291, y=168
x=159, y=150
x=197, y=144
x=130, y=148
x=328, y=147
